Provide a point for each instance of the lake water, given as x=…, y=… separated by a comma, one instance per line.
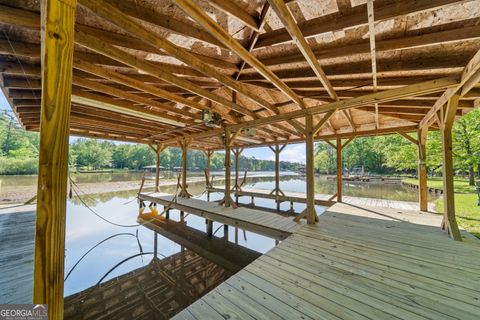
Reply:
x=166, y=290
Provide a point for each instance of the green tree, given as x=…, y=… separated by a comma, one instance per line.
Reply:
x=92, y=153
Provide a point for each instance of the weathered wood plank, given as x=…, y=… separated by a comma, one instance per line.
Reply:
x=58, y=19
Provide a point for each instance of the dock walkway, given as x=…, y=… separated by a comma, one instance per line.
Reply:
x=354, y=264
x=322, y=199
x=258, y=221
x=288, y=196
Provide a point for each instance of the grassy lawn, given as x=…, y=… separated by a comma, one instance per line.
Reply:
x=460, y=184
x=467, y=210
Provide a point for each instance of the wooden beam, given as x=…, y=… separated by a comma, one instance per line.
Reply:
x=422, y=170
x=120, y=19
x=228, y=139
x=95, y=101
x=409, y=138
x=58, y=19
x=218, y=32
x=254, y=37
x=353, y=18
x=167, y=22
x=449, y=221
x=235, y=11
x=137, y=84
x=291, y=25
x=310, y=170
x=322, y=122
x=470, y=70
x=371, y=30
x=184, y=186
x=94, y=44
x=339, y=169
x=31, y=20
x=378, y=97
x=429, y=37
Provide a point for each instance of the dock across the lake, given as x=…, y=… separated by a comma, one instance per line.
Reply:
x=287, y=196
x=322, y=199
x=354, y=264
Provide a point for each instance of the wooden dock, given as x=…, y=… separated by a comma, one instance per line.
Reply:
x=322, y=199
x=17, y=235
x=265, y=223
x=288, y=196
x=220, y=251
x=353, y=264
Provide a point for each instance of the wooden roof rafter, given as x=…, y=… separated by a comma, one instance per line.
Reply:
x=202, y=73
x=217, y=31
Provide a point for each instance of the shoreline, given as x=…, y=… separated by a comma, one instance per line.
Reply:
x=21, y=194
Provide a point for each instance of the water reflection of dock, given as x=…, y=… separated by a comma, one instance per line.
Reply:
x=156, y=291
x=228, y=255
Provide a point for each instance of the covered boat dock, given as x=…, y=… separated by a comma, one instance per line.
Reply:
x=229, y=75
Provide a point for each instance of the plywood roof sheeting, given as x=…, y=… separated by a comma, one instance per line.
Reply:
x=144, y=70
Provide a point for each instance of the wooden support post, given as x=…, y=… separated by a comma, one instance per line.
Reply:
x=155, y=244
x=167, y=214
x=225, y=231
x=158, y=150
x=277, y=191
x=310, y=171
x=339, y=170
x=209, y=227
x=208, y=160
x=422, y=170
x=237, y=152
x=184, y=192
x=227, y=199
x=57, y=28
x=447, y=118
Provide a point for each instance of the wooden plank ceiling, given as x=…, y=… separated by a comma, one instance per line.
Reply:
x=145, y=70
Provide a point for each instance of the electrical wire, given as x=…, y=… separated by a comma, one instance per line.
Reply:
x=99, y=243
x=120, y=263
x=74, y=187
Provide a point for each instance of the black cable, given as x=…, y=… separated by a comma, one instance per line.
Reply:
x=99, y=243
x=121, y=262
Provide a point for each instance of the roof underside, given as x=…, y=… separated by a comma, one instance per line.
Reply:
x=144, y=70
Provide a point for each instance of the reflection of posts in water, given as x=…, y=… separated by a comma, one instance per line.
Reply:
x=225, y=232
x=208, y=155
x=155, y=244
x=209, y=224
x=183, y=192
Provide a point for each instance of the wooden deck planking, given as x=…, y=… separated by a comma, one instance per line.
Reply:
x=358, y=264
x=17, y=230
x=258, y=221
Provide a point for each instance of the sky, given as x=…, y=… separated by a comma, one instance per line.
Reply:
x=292, y=153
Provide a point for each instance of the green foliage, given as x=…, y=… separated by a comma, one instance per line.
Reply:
x=395, y=154
x=460, y=185
x=23, y=165
x=466, y=210
x=91, y=153
x=19, y=148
